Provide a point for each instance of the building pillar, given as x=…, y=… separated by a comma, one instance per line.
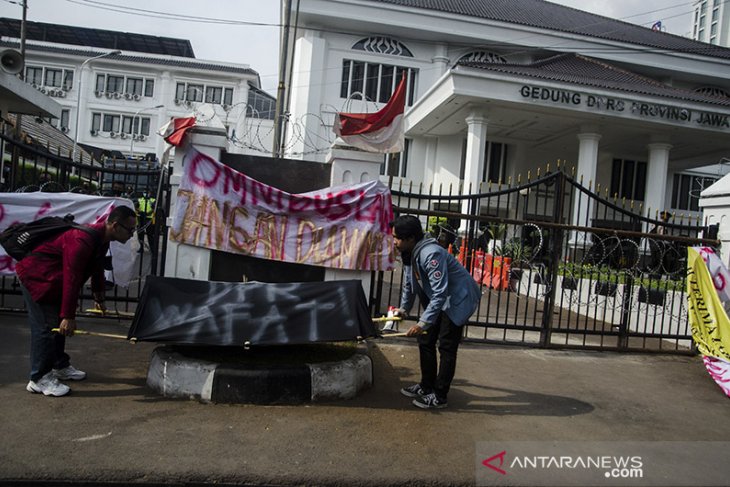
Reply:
x=441, y=59
x=656, y=178
x=715, y=206
x=587, y=164
x=187, y=261
x=352, y=167
x=476, y=143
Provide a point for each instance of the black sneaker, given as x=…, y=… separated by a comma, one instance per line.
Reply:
x=429, y=401
x=414, y=391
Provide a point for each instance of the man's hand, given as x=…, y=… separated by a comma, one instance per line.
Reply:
x=67, y=327
x=413, y=331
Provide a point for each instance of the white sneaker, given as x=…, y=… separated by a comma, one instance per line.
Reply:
x=49, y=386
x=69, y=373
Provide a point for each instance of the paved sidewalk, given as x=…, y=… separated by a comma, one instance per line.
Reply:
x=113, y=429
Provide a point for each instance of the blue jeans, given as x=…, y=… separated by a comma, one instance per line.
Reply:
x=46, y=348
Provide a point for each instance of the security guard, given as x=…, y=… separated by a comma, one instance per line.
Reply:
x=146, y=212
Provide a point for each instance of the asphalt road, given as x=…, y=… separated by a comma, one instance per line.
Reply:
x=113, y=429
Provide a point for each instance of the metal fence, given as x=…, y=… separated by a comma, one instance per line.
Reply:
x=559, y=264
x=29, y=168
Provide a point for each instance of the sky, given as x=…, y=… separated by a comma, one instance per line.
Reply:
x=246, y=31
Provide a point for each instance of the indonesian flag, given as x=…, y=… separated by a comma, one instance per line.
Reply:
x=381, y=131
x=174, y=130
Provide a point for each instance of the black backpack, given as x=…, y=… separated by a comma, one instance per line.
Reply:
x=20, y=239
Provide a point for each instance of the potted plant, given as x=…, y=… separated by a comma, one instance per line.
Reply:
x=520, y=254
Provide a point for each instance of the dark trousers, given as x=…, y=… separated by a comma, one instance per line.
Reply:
x=47, y=349
x=448, y=335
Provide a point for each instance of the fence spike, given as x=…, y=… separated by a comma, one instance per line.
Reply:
x=499, y=184
x=631, y=205
x=623, y=202
x=528, y=176
x=598, y=189
x=558, y=164
x=519, y=179
x=641, y=207
x=572, y=171
x=509, y=181
x=615, y=197
x=590, y=183
x=538, y=172
x=547, y=170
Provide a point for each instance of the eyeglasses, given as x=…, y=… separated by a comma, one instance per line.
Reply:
x=129, y=230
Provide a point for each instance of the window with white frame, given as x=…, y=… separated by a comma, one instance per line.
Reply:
x=136, y=125
x=374, y=81
x=63, y=122
x=135, y=86
x=628, y=179
x=214, y=94
x=686, y=189
x=396, y=164
x=49, y=77
x=495, y=161
x=116, y=123
x=34, y=75
x=260, y=104
x=53, y=78
x=149, y=87
x=199, y=93
x=131, y=86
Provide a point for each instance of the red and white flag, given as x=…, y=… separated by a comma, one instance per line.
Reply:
x=174, y=130
x=381, y=131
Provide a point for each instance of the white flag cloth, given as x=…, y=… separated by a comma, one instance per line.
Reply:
x=381, y=131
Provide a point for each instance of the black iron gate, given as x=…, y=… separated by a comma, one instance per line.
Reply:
x=29, y=168
x=560, y=265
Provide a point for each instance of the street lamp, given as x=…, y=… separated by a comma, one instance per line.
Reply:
x=139, y=126
x=78, y=97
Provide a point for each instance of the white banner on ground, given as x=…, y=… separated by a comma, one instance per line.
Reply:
x=345, y=227
x=27, y=207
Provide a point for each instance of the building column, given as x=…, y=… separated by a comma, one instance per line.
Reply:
x=476, y=143
x=187, y=261
x=352, y=166
x=587, y=164
x=656, y=178
x=441, y=59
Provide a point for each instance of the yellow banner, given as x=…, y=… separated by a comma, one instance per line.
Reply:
x=707, y=317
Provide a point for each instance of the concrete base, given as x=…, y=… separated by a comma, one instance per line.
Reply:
x=173, y=374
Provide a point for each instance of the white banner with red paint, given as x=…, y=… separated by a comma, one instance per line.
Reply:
x=27, y=207
x=344, y=227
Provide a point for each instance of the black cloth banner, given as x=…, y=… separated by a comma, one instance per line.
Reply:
x=254, y=313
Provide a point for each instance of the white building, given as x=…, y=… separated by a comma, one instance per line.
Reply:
x=711, y=22
x=497, y=88
x=122, y=99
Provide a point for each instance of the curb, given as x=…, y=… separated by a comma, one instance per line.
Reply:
x=174, y=375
